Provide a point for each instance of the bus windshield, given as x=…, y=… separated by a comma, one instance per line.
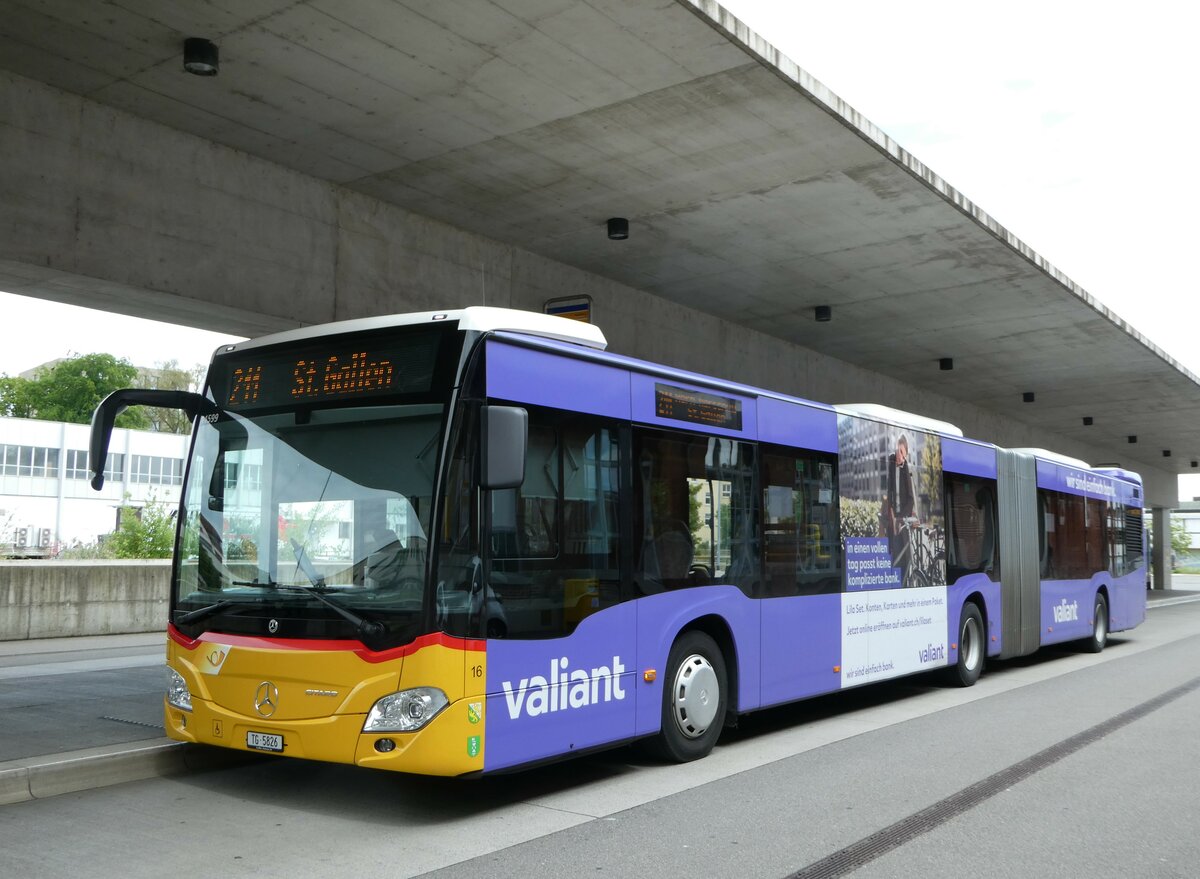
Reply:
x=309, y=524
x=310, y=489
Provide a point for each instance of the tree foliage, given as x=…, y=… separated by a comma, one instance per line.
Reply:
x=171, y=377
x=18, y=398
x=930, y=474
x=1181, y=540
x=860, y=518
x=146, y=533
x=70, y=389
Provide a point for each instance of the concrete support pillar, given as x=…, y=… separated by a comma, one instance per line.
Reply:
x=1160, y=562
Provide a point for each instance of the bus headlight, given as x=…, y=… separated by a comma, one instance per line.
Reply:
x=178, y=693
x=406, y=711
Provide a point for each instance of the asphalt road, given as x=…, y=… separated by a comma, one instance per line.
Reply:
x=1063, y=764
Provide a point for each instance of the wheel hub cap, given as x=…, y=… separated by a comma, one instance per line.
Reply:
x=696, y=696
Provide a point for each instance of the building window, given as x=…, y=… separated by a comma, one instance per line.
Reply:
x=243, y=475
x=77, y=460
x=29, y=461
x=156, y=470
x=78, y=463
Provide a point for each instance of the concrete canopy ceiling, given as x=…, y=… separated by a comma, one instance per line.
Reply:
x=752, y=192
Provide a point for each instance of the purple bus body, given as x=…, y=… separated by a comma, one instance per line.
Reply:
x=1067, y=605
x=1061, y=477
x=968, y=458
x=588, y=689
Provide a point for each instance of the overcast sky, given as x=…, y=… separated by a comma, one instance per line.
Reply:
x=36, y=331
x=1068, y=122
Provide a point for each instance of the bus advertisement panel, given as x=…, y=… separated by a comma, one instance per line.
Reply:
x=893, y=529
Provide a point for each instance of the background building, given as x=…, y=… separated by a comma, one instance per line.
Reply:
x=1189, y=514
x=46, y=499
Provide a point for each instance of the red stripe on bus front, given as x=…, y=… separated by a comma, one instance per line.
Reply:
x=433, y=638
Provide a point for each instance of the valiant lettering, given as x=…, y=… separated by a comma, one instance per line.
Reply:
x=564, y=690
x=1065, y=613
x=932, y=654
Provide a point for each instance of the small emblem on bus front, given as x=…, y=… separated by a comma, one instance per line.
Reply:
x=273, y=626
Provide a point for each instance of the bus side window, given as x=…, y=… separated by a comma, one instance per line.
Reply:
x=1131, y=531
x=971, y=514
x=1046, y=533
x=800, y=524
x=1074, y=536
x=694, y=512
x=555, y=541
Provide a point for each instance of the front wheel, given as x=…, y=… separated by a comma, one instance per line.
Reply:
x=971, y=643
x=694, y=697
x=1099, y=638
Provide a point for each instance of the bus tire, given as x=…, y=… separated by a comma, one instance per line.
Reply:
x=971, y=648
x=1099, y=638
x=694, y=697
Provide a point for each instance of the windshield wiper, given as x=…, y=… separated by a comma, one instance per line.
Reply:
x=306, y=566
x=270, y=584
x=194, y=616
x=368, y=630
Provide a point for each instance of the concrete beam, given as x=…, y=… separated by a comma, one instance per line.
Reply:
x=102, y=208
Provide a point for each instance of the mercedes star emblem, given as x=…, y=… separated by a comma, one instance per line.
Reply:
x=266, y=699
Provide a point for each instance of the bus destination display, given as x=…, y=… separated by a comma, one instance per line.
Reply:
x=316, y=374
x=697, y=407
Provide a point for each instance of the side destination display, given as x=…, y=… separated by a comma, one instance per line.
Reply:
x=697, y=407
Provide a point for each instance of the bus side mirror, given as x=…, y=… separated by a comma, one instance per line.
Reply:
x=117, y=402
x=504, y=437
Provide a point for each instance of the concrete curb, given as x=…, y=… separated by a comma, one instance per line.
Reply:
x=1167, y=602
x=36, y=778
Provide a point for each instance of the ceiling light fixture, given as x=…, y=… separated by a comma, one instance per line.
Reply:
x=618, y=229
x=200, y=56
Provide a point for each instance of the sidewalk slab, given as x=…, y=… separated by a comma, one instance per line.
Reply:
x=41, y=777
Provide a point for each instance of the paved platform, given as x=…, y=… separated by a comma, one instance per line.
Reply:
x=79, y=713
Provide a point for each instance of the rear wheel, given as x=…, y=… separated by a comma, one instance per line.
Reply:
x=969, y=667
x=694, y=697
x=1099, y=638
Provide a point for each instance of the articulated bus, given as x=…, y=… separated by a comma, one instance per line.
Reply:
x=462, y=542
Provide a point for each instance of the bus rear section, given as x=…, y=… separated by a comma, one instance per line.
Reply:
x=1072, y=546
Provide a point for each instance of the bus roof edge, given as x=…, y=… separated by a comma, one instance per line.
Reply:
x=485, y=318
x=898, y=416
